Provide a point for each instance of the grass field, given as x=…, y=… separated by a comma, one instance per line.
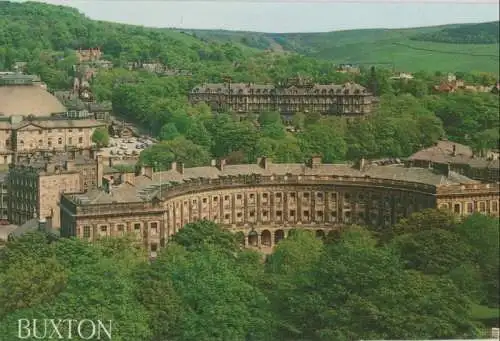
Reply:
x=480, y=312
x=375, y=46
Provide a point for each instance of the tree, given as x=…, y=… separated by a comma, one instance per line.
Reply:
x=169, y=132
x=100, y=136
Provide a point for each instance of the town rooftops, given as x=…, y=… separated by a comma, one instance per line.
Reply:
x=453, y=153
x=142, y=187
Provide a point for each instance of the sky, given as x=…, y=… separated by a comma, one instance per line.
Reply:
x=287, y=15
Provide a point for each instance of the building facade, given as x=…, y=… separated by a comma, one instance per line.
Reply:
x=265, y=201
x=461, y=159
x=35, y=185
x=33, y=120
x=296, y=96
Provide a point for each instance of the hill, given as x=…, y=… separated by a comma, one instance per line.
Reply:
x=484, y=33
x=403, y=49
x=28, y=28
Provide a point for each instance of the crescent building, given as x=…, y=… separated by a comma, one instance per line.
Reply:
x=266, y=200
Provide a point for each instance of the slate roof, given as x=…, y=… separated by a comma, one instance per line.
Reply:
x=247, y=88
x=442, y=152
x=144, y=187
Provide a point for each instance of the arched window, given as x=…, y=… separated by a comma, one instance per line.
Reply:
x=59, y=140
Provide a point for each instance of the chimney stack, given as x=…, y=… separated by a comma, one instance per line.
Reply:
x=264, y=162
x=100, y=170
x=220, y=164
x=180, y=167
x=362, y=163
x=315, y=161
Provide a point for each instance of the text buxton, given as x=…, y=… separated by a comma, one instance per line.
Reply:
x=65, y=329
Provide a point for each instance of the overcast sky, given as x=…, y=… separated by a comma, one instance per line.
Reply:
x=288, y=15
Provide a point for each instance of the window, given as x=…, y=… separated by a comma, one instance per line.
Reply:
x=59, y=140
x=264, y=213
x=86, y=232
x=70, y=130
x=470, y=207
x=70, y=140
x=153, y=228
x=137, y=227
x=306, y=213
x=278, y=195
x=494, y=206
x=239, y=215
x=21, y=142
x=204, y=200
x=279, y=214
x=292, y=213
x=40, y=142
x=227, y=216
x=226, y=197
x=319, y=195
x=264, y=195
x=50, y=130
x=252, y=213
x=306, y=195
x=80, y=130
x=154, y=247
x=120, y=228
x=215, y=199
x=457, y=208
x=80, y=140
x=319, y=214
x=482, y=207
x=238, y=197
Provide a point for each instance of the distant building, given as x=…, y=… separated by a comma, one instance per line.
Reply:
x=88, y=55
x=459, y=158
x=298, y=95
x=348, y=68
x=403, y=76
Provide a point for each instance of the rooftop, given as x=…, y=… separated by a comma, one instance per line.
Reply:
x=454, y=153
x=48, y=123
x=143, y=187
x=20, y=96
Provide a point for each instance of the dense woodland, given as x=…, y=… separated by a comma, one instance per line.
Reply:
x=425, y=278
x=484, y=33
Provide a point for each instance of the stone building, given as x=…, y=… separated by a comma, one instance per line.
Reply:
x=264, y=201
x=88, y=55
x=32, y=119
x=297, y=95
x=35, y=185
x=459, y=158
x=4, y=198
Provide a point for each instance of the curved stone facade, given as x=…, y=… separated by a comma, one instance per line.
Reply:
x=264, y=207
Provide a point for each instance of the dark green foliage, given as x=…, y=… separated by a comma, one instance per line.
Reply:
x=484, y=33
x=203, y=286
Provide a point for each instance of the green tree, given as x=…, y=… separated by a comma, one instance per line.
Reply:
x=100, y=136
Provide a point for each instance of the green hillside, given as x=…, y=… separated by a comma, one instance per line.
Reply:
x=404, y=49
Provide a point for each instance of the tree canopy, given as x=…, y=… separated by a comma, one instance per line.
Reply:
x=205, y=286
